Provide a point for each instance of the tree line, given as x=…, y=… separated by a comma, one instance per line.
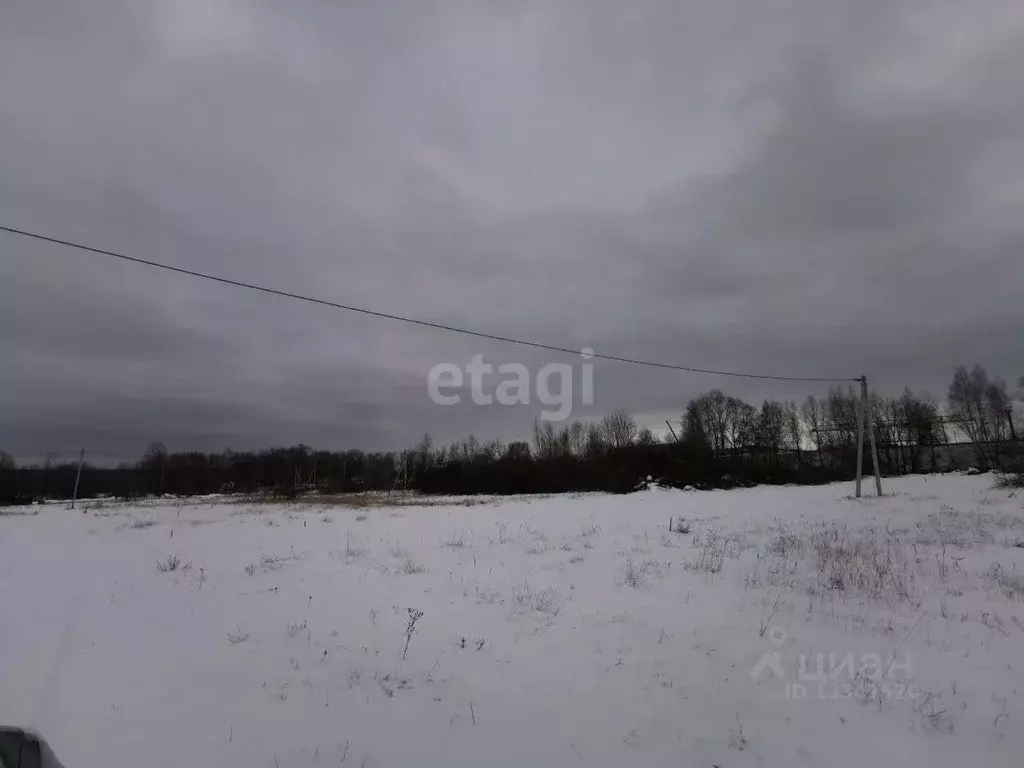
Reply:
x=720, y=441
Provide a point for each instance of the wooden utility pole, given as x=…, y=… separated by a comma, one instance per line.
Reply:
x=78, y=476
x=865, y=418
x=871, y=437
x=861, y=411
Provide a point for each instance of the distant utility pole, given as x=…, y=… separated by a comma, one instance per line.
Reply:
x=860, y=435
x=865, y=417
x=78, y=476
x=871, y=436
x=402, y=476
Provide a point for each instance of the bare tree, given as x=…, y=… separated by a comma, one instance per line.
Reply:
x=841, y=416
x=1016, y=415
x=577, y=438
x=740, y=423
x=924, y=424
x=47, y=478
x=493, y=450
x=713, y=411
x=794, y=430
x=7, y=463
x=771, y=429
x=155, y=462
x=998, y=403
x=925, y=421
x=979, y=402
x=518, y=450
x=981, y=407
x=546, y=443
x=620, y=428
x=564, y=441
x=646, y=437
x=694, y=436
x=596, y=444
x=813, y=417
x=424, y=453
x=470, y=449
x=966, y=401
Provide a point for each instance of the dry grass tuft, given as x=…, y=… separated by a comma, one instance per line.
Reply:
x=527, y=600
x=1010, y=584
x=411, y=567
x=171, y=563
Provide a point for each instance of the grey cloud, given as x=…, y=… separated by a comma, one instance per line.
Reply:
x=818, y=189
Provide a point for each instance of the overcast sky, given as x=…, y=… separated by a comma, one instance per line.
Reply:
x=784, y=186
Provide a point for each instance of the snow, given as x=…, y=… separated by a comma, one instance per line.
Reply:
x=554, y=630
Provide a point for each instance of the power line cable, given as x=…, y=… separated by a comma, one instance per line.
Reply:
x=412, y=320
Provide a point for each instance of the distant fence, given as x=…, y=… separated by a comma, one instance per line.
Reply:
x=906, y=459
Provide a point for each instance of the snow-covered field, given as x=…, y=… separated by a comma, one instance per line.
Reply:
x=788, y=626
